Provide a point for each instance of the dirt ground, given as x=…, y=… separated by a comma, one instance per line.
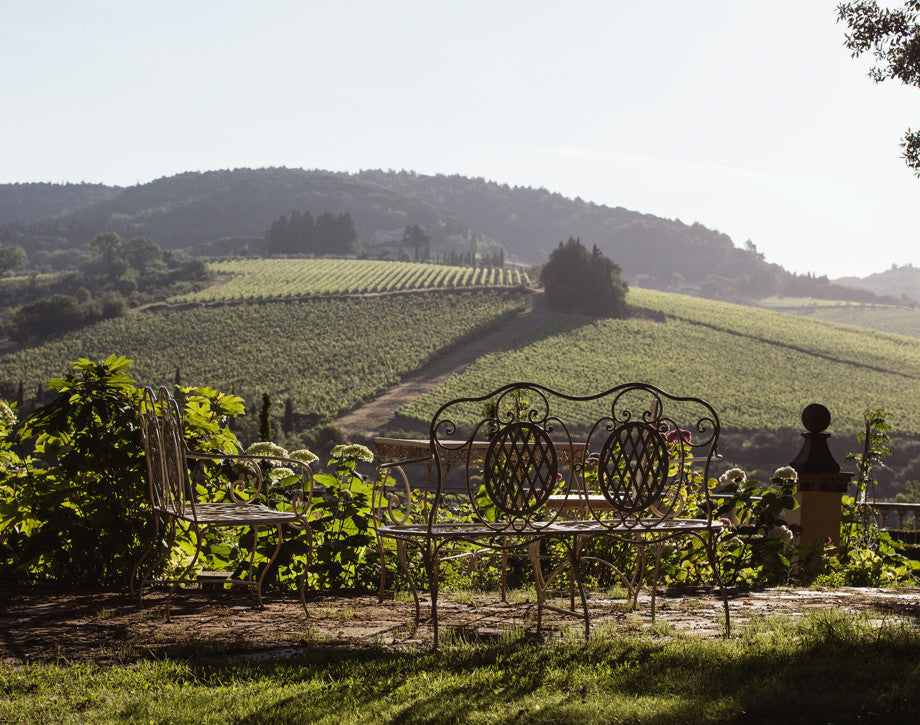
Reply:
x=54, y=625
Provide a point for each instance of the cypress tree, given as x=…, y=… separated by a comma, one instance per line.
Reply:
x=287, y=422
x=265, y=418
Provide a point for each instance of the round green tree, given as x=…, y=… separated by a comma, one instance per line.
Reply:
x=577, y=280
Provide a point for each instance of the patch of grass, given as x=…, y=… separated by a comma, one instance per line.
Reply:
x=521, y=596
x=616, y=591
x=827, y=667
x=331, y=612
x=461, y=596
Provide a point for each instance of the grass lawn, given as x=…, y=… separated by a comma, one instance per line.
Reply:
x=824, y=667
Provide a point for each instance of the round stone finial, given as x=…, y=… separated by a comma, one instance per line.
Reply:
x=816, y=418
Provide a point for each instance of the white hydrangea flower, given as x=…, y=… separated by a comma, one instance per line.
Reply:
x=280, y=473
x=7, y=416
x=266, y=448
x=786, y=473
x=733, y=475
x=353, y=451
x=784, y=533
x=303, y=455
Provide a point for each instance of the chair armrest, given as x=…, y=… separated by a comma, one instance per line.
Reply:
x=386, y=505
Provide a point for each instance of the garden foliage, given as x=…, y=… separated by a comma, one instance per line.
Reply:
x=74, y=506
x=73, y=494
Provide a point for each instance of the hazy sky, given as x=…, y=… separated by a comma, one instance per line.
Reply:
x=749, y=117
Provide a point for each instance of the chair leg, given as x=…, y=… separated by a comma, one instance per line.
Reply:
x=191, y=565
x=402, y=556
x=575, y=566
x=504, y=575
x=578, y=543
x=279, y=534
x=135, y=587
x=252, y=559
x=431, y=564
x=533, y=550
x=711, y=553
x=382, y=553
x=655, y=574
x=170, y=541
x=302, y=580
x=635, y=587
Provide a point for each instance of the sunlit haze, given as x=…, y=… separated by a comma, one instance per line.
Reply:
x=750, y=118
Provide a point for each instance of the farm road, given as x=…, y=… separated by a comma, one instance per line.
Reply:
x=376, y=415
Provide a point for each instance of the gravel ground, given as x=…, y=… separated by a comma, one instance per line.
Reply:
x=49, y=625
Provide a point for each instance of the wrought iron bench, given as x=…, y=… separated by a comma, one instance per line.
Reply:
x=537, y=465
x=237, y=481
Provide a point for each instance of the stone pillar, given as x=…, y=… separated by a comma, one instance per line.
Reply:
x=821, y=483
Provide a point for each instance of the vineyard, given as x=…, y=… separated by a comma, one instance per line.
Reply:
x=882, y=351
x=327, y=355
x=758, y=368
x=884, y=318
x=254, y=279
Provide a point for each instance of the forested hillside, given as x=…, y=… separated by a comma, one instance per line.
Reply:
x=194, y=209
x=191, y=209
x=895, y=281
x=218, y=213
x=529, y=223
x=31, y=202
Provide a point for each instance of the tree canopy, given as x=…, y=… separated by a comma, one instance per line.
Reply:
x=11, y=257
x=893, y=37
x=577, y=280
x=301, y=234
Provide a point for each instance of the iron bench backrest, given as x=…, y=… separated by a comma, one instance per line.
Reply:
x=168, y=455
x=530, y=455
x=165, y=454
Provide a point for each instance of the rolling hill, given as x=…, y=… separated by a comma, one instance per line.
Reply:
x=196, y=211
x=895, y=281
x=758, y=368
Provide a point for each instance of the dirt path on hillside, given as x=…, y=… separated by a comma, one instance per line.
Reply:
x=378, y=414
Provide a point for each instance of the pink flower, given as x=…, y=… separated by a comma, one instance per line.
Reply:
x=676, y=434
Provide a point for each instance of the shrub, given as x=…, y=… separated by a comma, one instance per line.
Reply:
x=75, y=510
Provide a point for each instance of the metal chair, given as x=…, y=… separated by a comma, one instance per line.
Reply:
x=175, y=503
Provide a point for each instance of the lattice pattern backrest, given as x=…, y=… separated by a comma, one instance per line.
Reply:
x=632, y=467
x=164, y=448
x=520, y=468
x=633, y=455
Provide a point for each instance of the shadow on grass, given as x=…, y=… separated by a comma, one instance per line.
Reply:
x=828, y=668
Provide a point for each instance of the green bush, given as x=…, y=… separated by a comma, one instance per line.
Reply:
x=74, y=503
